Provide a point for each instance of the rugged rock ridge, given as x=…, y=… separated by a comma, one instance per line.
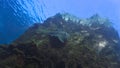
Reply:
x=65, y=41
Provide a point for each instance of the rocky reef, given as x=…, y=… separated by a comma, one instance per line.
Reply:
x=65, y=41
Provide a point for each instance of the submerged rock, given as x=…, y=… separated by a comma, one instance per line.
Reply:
x=58, y=38
x=65, y=41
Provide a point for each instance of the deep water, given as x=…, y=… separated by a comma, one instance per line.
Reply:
x=16, y=16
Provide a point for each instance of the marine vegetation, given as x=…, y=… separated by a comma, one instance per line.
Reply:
x=65, y=41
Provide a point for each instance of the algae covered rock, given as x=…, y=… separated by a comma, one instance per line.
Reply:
x=65, y=41
x=58, y=38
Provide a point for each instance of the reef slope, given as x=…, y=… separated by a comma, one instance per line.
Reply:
x=65, y=41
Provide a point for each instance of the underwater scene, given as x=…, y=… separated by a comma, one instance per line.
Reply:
x=59, y=34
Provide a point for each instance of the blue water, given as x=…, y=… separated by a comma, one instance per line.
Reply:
x=17, y=15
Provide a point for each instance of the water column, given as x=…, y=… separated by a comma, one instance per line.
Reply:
x=17, y=15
